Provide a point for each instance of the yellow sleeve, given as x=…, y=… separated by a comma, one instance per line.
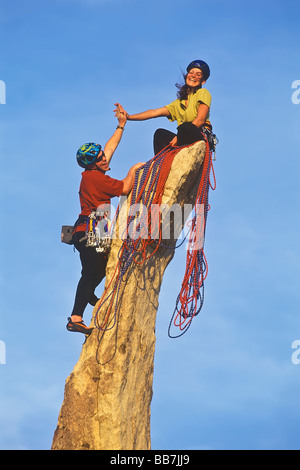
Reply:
x=204, y=96
x=172, y=110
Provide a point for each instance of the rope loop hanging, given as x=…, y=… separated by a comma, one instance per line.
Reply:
x=147, y=193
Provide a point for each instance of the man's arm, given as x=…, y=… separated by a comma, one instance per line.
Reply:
x=115, y=139
x=129, y=179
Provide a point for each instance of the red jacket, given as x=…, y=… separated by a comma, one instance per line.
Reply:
x=96, y=188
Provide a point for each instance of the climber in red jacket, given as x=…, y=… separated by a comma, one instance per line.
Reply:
x=96, y=189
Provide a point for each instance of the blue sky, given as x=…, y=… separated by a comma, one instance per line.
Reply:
x=229, y=382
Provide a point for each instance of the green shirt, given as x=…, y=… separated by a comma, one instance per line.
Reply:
x=182, y=113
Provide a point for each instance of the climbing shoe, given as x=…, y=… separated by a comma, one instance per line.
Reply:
x=78, y=326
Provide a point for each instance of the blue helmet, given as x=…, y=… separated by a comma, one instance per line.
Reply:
x=88, y=154
x=200, y=64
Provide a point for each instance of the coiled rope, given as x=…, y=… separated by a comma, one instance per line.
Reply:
x=148, y=191
x=191, y=297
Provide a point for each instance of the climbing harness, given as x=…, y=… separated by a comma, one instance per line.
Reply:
x=98, y=228
x=212, y=139
x=147, y=191
x=97, y=233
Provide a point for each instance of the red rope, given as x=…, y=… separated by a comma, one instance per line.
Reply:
x=155, y=176
x=190, y=300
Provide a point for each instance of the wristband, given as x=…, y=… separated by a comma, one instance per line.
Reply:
x=120, y=127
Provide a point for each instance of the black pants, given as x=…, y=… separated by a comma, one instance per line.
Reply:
x=92, y=273
x=187, y=133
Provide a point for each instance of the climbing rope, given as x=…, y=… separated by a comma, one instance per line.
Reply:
x=191, y=297
x=138, y=233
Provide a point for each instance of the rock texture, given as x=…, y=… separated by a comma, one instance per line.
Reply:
x=108, y=394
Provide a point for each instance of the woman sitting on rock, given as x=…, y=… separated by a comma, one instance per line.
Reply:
x=190, y=110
